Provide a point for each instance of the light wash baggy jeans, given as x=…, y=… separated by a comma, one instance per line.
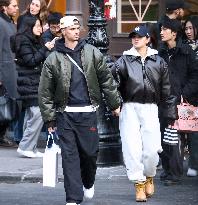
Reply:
x=32, y=126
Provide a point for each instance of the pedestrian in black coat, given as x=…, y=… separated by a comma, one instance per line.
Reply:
x=183, y=71
x=8, y=75
x=191, y=38
x=175, y=9
x=30, y=54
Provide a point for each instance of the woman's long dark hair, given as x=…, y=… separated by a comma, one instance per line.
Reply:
x=27, y=30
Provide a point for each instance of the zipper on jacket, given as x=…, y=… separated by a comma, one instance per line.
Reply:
x=144, y=72
x=144, y=77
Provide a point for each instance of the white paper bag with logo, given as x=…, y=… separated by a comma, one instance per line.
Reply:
x=50, y=164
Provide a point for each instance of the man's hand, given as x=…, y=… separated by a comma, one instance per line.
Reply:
x=171, y=124
x=116, y=112
x=49, y=45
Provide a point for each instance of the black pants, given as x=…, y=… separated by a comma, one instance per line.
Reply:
x=79, y=144
x=3, y=125
x=171, y=157
x=3, y=128
x=193, y=149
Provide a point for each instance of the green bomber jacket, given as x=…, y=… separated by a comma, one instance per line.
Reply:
x=55, y=78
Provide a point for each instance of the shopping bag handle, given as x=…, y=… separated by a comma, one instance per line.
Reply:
x=184, y=100
x=50, y=140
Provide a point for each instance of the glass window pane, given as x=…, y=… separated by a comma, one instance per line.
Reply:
x=152, y=12
x=132, y=12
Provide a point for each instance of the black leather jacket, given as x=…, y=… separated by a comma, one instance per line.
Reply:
x=146, y=82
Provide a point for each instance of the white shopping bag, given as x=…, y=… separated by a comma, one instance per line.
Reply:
x=50, y=166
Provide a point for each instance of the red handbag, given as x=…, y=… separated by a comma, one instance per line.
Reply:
x=188, y=118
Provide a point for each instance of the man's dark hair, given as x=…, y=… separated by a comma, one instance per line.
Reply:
x=4, y=3
x=169, y=12
x=54, y=18
x=173, y=24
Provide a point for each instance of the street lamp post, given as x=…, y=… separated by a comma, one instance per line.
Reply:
x=97, y=34
x=110, y=145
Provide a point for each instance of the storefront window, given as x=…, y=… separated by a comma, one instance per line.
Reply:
x=132, y=12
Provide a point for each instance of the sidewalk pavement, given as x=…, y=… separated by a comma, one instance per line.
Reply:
x=112, y=186
x=17, y=169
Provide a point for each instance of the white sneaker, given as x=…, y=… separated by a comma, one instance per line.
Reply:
x=88, y=193
x=29, y=154
x=38, y=154
x=72, y=204
x=191, y=172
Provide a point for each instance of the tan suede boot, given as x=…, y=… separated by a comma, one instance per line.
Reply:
x=140, y=192
x=149, y=186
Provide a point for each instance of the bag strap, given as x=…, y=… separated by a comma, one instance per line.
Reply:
x=50, y=140
x=184, y=101
x=74, y=62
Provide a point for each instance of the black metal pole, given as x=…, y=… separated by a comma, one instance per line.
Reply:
x=110, y=153
x=97, y=34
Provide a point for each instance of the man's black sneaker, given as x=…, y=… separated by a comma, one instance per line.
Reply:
x=164, y=175
x=170, y=180
x=6, y=142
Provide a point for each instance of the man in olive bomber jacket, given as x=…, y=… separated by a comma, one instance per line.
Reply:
x=69, y=94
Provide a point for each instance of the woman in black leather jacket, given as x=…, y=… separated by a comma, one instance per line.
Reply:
x=143, y=82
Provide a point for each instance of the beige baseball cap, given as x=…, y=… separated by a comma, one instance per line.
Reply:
x=67, y=21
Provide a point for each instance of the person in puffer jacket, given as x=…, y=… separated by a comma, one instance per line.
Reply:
x=143, y=82
x=30, y=55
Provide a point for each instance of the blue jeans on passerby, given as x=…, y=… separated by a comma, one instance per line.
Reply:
x=18, y=128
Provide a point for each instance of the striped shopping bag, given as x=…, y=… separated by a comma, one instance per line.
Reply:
x=170, y=136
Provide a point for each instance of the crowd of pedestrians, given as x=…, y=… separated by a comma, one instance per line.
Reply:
x=59, y=80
